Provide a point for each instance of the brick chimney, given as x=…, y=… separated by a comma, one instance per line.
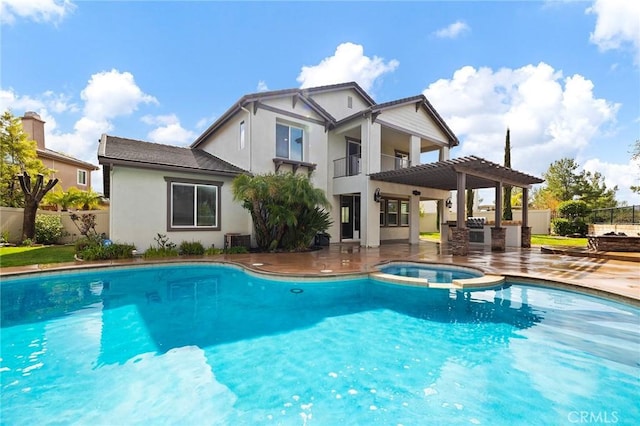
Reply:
x=34, y=127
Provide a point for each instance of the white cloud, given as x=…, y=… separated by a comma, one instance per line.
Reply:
x=35, y=10
x=347, y=64
x=550, y=116
x=10, y=100
x=453, y=31
x=170, y=131
x=262, y=86
x=622, y=175
x=107, y=96
x=111, y=93
x=617, y=25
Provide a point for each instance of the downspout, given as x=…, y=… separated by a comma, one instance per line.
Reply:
x=248, y=138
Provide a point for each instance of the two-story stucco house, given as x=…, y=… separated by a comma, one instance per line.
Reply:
x=70, y=171
x=352, y=147
x=336, y=133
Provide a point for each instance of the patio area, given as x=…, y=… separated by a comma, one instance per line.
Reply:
x=603, y=274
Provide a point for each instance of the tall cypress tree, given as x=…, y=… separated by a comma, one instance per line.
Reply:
x=507, y=213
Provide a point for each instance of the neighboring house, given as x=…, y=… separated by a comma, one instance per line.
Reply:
x=69, y=170
x=365, y=156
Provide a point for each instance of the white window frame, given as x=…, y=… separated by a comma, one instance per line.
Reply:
x=79, y=174
x=243, y=131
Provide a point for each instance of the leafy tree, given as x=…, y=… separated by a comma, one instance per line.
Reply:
x=507, y=213
x=285, y=209
x=61, y=199
x=17, y=155
x=562, y=179
x=594, y=192
x=564, y=183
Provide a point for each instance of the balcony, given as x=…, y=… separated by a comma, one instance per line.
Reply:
x=351, y=165
x=347, y=166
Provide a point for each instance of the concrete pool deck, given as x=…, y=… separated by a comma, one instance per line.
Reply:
x=601, y=273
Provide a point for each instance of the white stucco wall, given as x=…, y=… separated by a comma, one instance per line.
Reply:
x=139, y=209
x=225, y=143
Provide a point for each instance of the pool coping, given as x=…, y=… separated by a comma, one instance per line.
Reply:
x=486, y=282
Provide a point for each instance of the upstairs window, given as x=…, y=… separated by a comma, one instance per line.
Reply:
x=289, y=142
x=82, y=177
x=242, y=135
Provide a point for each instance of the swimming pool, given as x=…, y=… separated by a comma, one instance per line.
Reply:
x=430, y=272
x=206, y=344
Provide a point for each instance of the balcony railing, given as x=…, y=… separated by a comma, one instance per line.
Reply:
x=347, y=166
x=351, y=166
x=390, y=162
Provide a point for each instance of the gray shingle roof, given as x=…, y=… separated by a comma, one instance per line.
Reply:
x=116, y=150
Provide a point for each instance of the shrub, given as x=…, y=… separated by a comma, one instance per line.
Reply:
x=564, y=227
x=107, y=252
x=153, y=252
x=164, y=248
x=49, y=229
x=236, y=250
x=191, y=248
x=213, y=251
x=573, y=209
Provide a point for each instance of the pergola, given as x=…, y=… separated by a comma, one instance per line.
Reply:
x=461, y=174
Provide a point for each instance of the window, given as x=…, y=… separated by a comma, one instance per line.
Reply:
x=392, y=212
x=193, y=205
x=404, y=213
x=82, y=177
x=289, y=142
x=242, y=135
x=349, y=102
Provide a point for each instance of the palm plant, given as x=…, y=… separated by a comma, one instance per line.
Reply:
x=280, y=206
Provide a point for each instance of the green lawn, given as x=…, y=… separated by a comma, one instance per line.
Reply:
x=21, y=256
x=536, y=240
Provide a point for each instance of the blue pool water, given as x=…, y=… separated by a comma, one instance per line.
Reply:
x=432, y=273
x=194, y=345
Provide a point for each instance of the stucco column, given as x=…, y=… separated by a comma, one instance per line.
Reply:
x=371, y=147
x=414, y=219
x=443, y=155
x=369, y=217
x=461, y=221
x=498, y=212
x=414, y=155
x=525, y=232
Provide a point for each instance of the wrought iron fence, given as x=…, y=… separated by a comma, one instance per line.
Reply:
x=617, y=215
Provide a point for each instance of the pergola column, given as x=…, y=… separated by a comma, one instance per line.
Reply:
x=460, y=234
x=525, y=236
x=498, y=233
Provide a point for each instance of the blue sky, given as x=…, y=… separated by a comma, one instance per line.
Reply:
x=563, y=76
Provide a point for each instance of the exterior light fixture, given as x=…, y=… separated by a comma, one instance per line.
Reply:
x=448, y=203
x=376, y=195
